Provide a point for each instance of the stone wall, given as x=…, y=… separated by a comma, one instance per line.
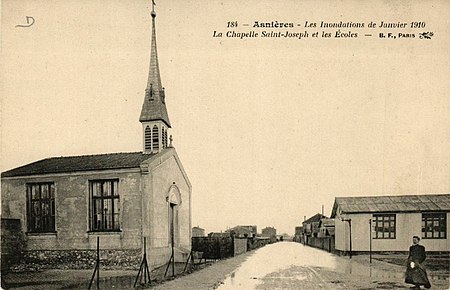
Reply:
x=13, y=242
x=81, y=259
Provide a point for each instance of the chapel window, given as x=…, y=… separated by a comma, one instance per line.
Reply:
x=104, y=205
x=41, y=207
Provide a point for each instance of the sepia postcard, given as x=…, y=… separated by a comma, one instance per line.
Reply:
x=256, y=144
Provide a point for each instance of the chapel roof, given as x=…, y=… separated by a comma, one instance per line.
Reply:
x=79, y=163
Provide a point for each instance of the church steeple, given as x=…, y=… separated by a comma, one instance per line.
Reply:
x=154, y=116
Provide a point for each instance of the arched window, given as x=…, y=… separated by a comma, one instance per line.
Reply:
x=163, y=137
x=148, y=138
x=155, y=138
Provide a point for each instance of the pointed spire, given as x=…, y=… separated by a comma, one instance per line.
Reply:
x=154, y=77
x=154, y=107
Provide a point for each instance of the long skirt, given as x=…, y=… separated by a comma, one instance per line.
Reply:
x=417, y=275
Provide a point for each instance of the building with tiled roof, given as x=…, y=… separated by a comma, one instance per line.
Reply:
x=63, y=204
x=311, y=225
x=388, y=223
x=65, y=164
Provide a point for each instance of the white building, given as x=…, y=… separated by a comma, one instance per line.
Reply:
x=390, y=222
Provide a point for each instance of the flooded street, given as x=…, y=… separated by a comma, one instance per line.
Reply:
x=279, y=259
x=283, y=265
x=290, y=265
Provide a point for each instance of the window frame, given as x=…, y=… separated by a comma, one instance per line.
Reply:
x=383, y=218
x=441, y=218
x=47, y=220
x=106, y=225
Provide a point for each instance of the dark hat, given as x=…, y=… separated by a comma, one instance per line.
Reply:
x=416, y=237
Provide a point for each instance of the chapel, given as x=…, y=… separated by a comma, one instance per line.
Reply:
x=58, y=206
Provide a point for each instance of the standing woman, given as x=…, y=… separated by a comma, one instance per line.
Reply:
x=415, y=270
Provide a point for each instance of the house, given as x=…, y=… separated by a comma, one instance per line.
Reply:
x=198, y=232
x=269, y=232
x=243, y=231
x=326, y=227
x=311, y=226
x=326, y=234
x=388, y=223
x=298, y=235
x=65, y=203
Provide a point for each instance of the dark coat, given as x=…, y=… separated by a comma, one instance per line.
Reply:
x=417, y=275
x=417, y=254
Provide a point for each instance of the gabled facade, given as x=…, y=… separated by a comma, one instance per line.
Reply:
x=65, y=203
x=388, y=223
x=311, y=225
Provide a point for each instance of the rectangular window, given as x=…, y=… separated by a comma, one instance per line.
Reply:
x=104, y=205
x=41, y=207
x=434, y=225
x=384, y=226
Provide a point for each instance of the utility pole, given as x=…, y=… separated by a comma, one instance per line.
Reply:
x=370, y=241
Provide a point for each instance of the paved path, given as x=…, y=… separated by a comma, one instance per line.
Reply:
x=207, y=278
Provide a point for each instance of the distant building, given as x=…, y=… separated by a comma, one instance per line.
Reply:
x=198, y=232
x=285, y=237
x=243, y=231
x=391, y=222
x=269, y=232
x=298, y=235
x=311, y=226
x=326, y=227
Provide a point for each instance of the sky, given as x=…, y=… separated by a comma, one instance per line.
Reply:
x=268, y=129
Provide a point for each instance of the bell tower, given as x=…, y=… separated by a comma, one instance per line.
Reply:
x=154, y=117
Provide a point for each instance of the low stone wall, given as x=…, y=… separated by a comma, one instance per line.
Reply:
x=80, y=259
x=13, y=242
x=213, y=247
